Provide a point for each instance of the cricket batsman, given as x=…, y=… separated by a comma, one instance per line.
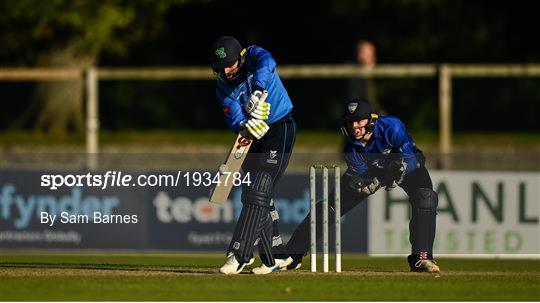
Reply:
x=379, y=153
x=243, y=74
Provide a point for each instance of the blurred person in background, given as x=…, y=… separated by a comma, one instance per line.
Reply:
x=366, y=56
x=243, y=74
x=379, y=152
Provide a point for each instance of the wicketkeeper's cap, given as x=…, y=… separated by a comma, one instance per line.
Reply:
x=357, y=110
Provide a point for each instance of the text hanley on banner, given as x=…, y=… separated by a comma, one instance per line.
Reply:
x=488, y=213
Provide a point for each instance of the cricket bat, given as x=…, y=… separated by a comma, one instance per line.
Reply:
x=220, y=193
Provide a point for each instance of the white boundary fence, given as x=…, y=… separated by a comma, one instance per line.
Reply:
x=445, y=73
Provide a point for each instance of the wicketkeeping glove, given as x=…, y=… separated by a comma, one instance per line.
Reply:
x=367, y=186
x=257, y=107
x=397, y=170
x=371, y=187
x=256, y=127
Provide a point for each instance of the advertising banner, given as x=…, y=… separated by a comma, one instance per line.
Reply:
x=479, y=213
x=135, y=217
x=33, y=216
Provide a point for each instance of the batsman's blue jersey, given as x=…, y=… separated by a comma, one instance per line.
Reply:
x=261, y=73
x=390, y=138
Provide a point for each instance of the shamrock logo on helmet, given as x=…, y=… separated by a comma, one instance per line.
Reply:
x=220, y=52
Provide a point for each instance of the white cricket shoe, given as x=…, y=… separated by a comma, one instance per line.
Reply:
x=296, y=262
x=426, y=266
x=280, y=264
x=232, y=267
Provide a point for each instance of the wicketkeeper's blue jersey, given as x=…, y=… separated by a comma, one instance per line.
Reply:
x=390, y=138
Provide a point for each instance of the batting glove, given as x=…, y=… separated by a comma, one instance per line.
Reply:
x=256, y=107
x=256, y=127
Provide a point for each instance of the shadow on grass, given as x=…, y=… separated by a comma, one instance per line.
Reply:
x=109, y=267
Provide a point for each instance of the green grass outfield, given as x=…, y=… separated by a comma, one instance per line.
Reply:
x=194, y=277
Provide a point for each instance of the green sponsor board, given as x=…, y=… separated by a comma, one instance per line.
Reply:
x=488, y=213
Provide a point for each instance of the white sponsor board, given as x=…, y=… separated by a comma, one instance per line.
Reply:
x=479, y=214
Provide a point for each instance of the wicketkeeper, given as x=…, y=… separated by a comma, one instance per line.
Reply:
x=243, y=74
x=380, y=153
